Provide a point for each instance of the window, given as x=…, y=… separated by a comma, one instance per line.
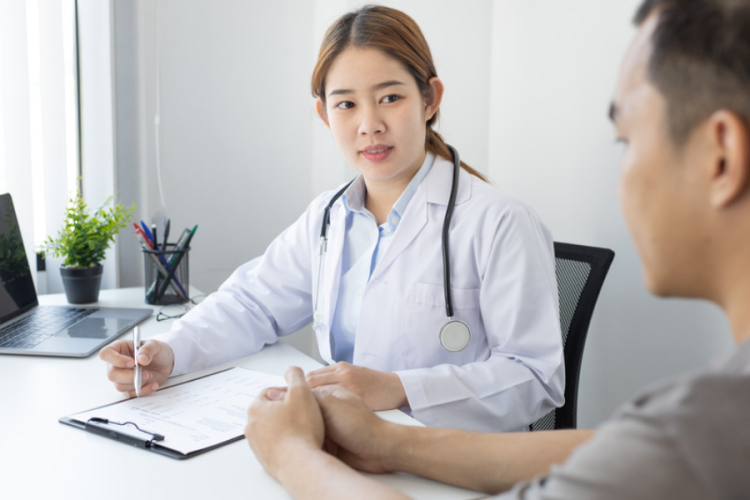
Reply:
x=39, y=145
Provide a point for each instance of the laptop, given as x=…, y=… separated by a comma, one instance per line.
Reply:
x=28, y=328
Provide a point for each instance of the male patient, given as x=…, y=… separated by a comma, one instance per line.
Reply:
x=682, y=107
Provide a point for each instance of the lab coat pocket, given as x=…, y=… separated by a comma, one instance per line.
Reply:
x=426, y=316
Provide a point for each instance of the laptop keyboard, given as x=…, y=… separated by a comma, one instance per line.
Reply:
x=41, y=324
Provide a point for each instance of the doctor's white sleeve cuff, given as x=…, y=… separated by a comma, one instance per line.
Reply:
x=179, y=349
x=415, y=395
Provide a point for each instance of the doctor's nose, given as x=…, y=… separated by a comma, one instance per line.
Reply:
x=371, y=123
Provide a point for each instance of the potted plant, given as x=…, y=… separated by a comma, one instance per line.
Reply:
x=82, y=242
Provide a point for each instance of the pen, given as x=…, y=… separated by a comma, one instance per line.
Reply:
x=161, y=257
x=142, y=237
x=175, y=260
x=154, y=238
x=175, y=284
x=160, y=265
x=166, y=234
x=151, y=237
x=137, y=381
x=148, y=234
x=184, y=241
x=185, y=234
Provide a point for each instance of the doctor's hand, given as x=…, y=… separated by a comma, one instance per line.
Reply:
x=284, y=424
x=155, y=356
x=379, y=390
x=354, y=434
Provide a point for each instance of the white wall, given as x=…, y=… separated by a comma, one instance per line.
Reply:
x=553, y=73
x=527, y=89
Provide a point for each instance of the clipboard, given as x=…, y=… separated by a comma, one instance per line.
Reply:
x=236, y=388
x=148, y=445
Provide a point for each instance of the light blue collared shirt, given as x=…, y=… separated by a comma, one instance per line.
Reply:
x=365, y=243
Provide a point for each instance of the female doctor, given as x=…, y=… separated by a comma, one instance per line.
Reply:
x=375, y=288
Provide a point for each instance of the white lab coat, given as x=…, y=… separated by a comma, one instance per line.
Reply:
x=503, y=286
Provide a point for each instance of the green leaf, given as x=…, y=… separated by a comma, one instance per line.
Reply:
x=84, y=239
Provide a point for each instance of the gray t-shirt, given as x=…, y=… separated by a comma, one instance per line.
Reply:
x=687, y=439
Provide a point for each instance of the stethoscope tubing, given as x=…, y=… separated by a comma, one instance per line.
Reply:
x=324, y=238
x=446, y=230
x=445, y=236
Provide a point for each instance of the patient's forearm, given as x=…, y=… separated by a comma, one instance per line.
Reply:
x=485, y=462
x=313, y=475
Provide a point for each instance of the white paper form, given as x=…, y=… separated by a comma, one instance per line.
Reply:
x=194, y=415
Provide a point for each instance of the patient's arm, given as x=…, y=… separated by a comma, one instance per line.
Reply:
x=485, y=462
x=480, y=461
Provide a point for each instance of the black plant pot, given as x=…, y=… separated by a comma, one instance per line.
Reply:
x=82, y=285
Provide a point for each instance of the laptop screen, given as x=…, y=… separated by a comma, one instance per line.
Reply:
x=17, y=293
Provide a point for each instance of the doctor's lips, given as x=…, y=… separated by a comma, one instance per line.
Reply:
x=376, y=152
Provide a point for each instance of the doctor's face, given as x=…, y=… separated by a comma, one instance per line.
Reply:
x=660, y=189
x=377, y=115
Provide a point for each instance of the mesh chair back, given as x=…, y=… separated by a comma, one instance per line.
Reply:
x=580, y=274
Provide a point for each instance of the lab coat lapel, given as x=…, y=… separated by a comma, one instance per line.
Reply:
x=436, y=189
x=332, y=278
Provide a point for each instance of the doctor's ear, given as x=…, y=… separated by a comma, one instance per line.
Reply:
x=320, y=108
x=433, y=97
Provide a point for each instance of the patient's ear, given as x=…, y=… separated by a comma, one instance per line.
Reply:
x=320, y=108
x=730, y=168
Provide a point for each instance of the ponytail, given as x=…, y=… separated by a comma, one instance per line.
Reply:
x=435, y=144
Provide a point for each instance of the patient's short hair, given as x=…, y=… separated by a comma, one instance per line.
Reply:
x=701, y=59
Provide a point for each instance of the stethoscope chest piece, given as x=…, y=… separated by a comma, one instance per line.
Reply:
x=455, y=336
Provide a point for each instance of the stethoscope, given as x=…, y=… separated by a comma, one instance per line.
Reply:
x=455, y=334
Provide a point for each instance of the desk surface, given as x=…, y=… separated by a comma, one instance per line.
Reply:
x=41, y=458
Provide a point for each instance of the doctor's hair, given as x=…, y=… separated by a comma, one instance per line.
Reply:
x=700, y=59
x=397, y=35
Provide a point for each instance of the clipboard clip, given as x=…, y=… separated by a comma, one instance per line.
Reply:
x=101, y=426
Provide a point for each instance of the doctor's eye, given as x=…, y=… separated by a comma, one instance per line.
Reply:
x=391, y=98
x=345, y=105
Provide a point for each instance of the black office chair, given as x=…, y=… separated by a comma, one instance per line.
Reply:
x=580, y=274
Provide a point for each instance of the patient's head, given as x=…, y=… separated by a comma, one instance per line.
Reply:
x=682, y=107
x=700, y=59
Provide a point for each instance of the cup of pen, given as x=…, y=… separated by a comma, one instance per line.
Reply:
x=167, y=275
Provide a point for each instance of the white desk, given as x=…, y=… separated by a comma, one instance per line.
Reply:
x=43, y=459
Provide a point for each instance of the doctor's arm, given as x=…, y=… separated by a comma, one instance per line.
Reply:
x=285, y=430
x=379, y=390
x=265, y=298
x=523, y=376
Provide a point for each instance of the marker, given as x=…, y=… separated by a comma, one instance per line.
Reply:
x=137, y=375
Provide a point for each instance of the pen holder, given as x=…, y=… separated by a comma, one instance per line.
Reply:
x=167, y=275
